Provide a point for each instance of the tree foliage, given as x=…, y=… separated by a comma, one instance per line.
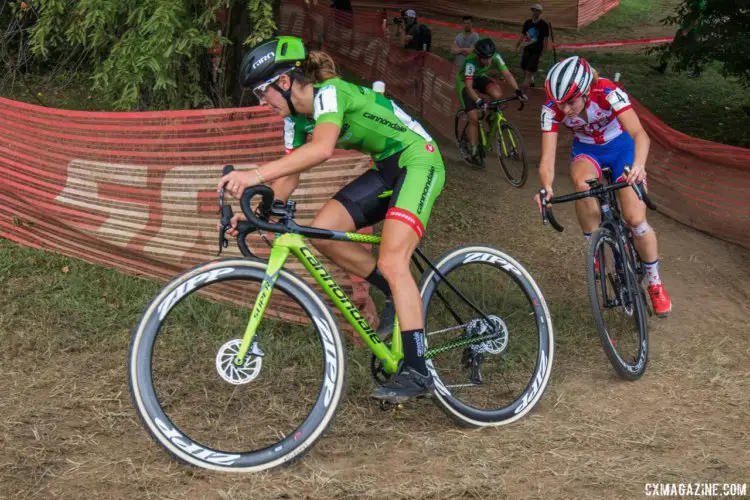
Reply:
x=723, y=35
x=143, y=53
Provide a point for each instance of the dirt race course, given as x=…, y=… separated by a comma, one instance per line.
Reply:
x=68, y=430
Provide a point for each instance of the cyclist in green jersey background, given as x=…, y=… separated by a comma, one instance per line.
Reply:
x=406, y=179
x=472, y=79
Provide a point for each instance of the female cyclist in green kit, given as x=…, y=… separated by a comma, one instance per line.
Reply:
x=406, y=179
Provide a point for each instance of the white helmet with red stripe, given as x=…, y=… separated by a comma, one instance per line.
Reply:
x=569, y=79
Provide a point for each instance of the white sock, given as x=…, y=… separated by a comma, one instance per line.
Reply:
x=652, y=272
x=587, y=236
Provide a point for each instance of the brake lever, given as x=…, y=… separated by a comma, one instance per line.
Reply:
x=640, y=191
x=543, y=200
x=225, y=212
x=547, y=216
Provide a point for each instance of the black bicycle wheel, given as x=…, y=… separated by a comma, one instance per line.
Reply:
x=460, y=125
x=617, y=305
x=205, y=411
x=497, y=381
x=512, y=155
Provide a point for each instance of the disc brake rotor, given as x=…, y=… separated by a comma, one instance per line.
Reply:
x=477, y=327
x=231, y=373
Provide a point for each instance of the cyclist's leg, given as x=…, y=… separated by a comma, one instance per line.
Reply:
x=410, y=206
x=585, y=166
x=621, y=155
x=413, y=197
x=634, y=213
x=493, y=89
x=355, y=206
x=472, y=115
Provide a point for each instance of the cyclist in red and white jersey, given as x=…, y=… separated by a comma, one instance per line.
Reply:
x=607, y=134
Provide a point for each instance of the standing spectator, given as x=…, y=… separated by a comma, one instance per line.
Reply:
x=463, y=45
x=535, y=38
x=414, y=35
x=686, y=37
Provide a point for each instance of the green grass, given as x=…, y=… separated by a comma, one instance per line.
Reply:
x=52, y=303
x=624, y=20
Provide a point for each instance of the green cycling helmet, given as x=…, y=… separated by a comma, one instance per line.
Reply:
x=264, y=64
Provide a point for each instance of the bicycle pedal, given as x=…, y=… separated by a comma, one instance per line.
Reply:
x=386, y=405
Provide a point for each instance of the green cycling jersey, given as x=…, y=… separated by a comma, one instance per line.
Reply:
x=377, y=126
x=368, y=122
x=296, y=130
x=473, y=68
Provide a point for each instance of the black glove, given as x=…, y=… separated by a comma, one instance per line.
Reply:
x=520, y=93
x=480, y=103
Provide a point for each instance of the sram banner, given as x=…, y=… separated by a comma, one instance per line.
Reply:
x=137, y=191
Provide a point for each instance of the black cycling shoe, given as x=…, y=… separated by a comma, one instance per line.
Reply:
x=387, y=319
x=406, y=384
x=478, y=160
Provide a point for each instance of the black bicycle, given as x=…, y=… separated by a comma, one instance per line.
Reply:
x=615, y=275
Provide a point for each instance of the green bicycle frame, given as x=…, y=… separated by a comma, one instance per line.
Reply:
x=294, y=243
x=497, y=120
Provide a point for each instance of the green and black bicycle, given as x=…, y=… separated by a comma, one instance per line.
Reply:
x=503, y=138
x=230, y=387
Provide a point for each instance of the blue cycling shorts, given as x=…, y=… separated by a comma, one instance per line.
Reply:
x=615, y=155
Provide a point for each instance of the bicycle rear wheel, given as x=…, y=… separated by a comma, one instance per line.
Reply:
x=497, y=381
x=512, y=155
x=461, y=122
x=617, y=305
x=201, y=408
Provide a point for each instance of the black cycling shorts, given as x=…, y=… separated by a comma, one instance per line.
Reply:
x=403, y=186
x=481, y=84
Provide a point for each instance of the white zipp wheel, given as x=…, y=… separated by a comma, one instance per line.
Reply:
x=268, y=415
x=499, y=381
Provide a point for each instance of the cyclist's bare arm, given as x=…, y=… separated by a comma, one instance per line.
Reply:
x=288, y=168
x=632, y=125
x=316, y=151
x=510, y=78
x=285, y=186
x=547, y=163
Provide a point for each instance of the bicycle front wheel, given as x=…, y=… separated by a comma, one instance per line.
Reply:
x=512, y=155
x=617, y=305
x=207, y=412
x=498, y=380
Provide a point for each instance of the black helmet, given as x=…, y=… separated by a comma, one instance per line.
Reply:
x=485, y=48
x=271, y=58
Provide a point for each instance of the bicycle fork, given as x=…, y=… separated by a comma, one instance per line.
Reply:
x=498, y=127
x=276, y=261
